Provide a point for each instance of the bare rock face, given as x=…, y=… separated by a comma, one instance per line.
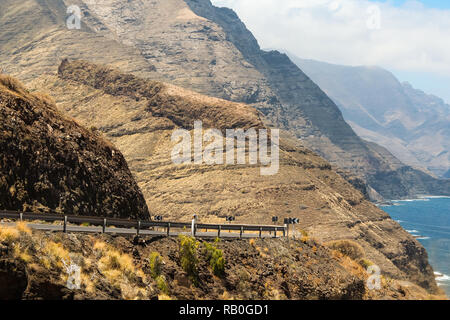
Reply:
x=51, y=163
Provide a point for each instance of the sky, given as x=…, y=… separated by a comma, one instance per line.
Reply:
x=410, y=38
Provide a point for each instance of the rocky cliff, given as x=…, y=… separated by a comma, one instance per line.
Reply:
x=51, y=163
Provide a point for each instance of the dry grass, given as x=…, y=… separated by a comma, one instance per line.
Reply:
x=55, y=255
x=22, y=254
x=348, y=248
x=119, y=269
x=12, y=83
x=8, y=234
x=349, y=264
x=23, y=227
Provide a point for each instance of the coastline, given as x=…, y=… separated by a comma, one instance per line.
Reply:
x=427, y=219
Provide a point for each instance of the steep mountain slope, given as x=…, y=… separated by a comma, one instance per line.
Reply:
x=139, y=116
x=31, y=268
x=51, y=163
x=414, y=126
x=203, y=48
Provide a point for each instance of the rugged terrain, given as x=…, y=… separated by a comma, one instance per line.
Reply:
x=139, y=116
x=209, y=50
x=50, y=163
x=38, y=266
x=414, y=126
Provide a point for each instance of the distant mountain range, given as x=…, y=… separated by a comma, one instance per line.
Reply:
x=412, y=125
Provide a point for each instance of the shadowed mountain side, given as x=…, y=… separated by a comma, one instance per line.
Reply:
x=306, y=186
x=50, y=163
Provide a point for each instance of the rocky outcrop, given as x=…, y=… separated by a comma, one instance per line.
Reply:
x=50, y=163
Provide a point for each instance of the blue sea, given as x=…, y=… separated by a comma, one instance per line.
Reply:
x=428, y=219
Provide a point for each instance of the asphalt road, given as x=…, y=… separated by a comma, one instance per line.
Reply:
x=124, y=231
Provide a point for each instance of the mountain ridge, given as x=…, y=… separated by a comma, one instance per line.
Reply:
x=411, y=124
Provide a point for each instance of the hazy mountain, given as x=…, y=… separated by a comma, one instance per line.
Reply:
x=412, y=125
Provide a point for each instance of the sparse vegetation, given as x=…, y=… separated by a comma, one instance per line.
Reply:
x=161, y=283
x=348, y=248
x=11, y=83
x=188, y=256
x=8, y=234
x=155, y=264
x=365, y=263
x=55, y=256
x=215, y=258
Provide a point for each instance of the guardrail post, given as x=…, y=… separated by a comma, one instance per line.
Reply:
x=21, y=216
x=168, y=228
x=218, y=232
x=193, y=227
x=284, y=231
x=104, y=226
x=138, y=227
x=260, y=232
x=240, y=234
x=65, y=224
x=275, y=232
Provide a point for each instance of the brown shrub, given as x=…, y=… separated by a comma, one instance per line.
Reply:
x=348, y=248
x=11, y=83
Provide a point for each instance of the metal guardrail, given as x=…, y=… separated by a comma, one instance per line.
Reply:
x=139, y=225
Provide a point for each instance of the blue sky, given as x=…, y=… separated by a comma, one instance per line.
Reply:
x=438, y=4
x=410, y=38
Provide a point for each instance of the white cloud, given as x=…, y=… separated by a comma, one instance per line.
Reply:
x=410, y=38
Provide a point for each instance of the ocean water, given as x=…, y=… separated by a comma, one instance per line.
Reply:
x=428, y=219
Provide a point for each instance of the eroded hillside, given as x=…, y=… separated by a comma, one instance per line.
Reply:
x=306, y=186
